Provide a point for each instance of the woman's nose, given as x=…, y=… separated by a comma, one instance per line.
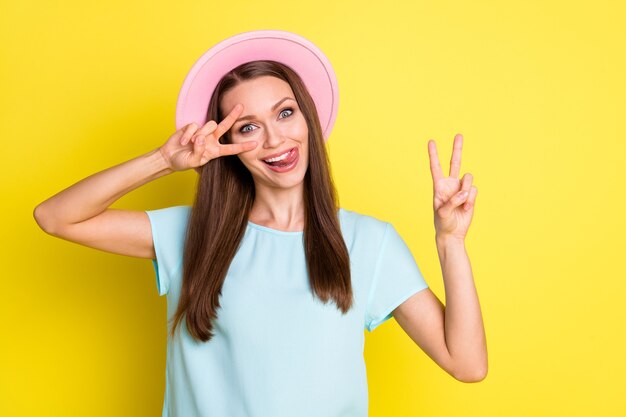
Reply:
x=273, y=137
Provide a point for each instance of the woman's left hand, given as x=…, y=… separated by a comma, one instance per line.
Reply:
x=453, y=199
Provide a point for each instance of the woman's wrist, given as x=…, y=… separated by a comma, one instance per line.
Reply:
x=443, y=241
x=159, y=163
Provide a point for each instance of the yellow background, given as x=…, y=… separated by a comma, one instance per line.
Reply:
x=537, y=89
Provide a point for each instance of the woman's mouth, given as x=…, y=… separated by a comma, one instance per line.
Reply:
x=286, y=162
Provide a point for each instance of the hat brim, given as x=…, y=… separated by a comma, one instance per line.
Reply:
x=293, y=50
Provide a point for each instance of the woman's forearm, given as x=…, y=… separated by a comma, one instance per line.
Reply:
x=464, y=330
x=94, y=194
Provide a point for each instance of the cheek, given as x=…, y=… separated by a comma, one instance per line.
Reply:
x=301, y=130
x=250, y=161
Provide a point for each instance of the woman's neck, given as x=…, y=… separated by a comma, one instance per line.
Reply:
x=279, y=208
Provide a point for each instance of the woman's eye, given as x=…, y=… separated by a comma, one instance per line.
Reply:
x=287, y=109
x=243, y=128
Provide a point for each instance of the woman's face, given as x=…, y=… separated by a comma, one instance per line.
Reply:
x=277, y=124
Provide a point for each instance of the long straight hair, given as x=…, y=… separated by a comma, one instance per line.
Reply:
x=219, y=216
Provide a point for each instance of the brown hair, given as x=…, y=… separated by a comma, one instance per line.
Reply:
x=224, y=197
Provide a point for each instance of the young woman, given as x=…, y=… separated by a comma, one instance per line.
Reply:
x=269, y=283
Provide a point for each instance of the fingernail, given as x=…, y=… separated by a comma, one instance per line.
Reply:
x=463, y=194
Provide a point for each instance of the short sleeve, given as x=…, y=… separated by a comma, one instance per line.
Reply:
x=169, y=226
x=396, y=278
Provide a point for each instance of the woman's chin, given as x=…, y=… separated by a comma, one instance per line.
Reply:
x=283, y=180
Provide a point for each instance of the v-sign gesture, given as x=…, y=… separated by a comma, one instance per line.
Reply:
x=192, y=147
x=453, y=335
x=453, y=199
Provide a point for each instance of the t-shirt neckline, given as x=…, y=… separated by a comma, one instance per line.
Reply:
x=276, y=231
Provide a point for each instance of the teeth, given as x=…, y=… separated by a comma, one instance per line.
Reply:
x=278, y=158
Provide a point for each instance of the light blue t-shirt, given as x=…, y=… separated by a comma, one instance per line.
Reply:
x=277, y=351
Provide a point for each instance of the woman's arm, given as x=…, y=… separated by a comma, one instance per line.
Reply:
x=94, y=194
x=464, y=330
x=452, y=335
x=80, y=212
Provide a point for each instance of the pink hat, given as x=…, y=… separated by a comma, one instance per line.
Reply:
x=293, y=50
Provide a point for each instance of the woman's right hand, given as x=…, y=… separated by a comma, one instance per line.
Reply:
x=190, y=147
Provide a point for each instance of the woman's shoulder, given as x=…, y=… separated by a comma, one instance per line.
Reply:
x=173, y=212
x=172, y=219
x=361, y=222
x=351, y=221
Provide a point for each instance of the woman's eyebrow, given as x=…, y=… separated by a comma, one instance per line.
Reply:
x=248, y=117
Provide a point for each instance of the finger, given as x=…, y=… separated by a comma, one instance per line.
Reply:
x=198, y=150
x=471, y=199
x=435, y=167
x=455, y=161
x=235, y=148
x=188, y=133
x=466, y=181
x=454, y=201
x=208, y=128
x=228, y=121
x=204, y=130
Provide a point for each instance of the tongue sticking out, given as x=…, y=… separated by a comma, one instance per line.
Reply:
x=279, y=163
x=287, y=161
